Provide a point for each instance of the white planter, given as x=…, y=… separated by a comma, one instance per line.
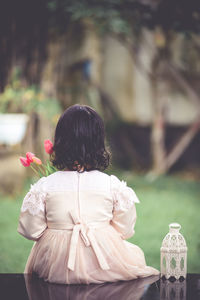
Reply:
x=12, y=128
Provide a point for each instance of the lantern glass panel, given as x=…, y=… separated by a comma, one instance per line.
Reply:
x=182, y=263
x=173, y=263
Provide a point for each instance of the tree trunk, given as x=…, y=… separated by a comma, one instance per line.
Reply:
x=158, y=132
x=180, y=147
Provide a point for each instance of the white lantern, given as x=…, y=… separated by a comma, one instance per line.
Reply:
x=173, y=258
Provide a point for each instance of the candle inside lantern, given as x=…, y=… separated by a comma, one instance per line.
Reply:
x=173, y=258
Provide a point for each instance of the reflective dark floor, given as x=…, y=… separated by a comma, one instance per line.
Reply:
x=19, y=286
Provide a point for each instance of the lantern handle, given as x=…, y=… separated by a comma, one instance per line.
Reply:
x=174, y=226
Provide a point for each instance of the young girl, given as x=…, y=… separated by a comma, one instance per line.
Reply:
x=79, y=216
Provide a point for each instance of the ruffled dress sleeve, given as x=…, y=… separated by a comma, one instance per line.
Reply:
x=32, y=220
x=124, y=212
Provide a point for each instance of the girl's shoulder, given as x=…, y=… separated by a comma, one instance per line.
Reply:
x=68, y=180
x=93, y=179
x=121, y=192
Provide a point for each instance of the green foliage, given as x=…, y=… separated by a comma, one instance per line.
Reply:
x=126, y=16
x=20, y=98
x=106, y=15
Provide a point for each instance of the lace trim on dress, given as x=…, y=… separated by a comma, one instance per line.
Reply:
x=124, y=196
x=34, y=201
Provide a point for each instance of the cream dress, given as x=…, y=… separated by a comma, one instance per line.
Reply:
x=80, y=222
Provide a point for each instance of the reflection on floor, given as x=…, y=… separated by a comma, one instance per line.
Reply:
x=24, y=287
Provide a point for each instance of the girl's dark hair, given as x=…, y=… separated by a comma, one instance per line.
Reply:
x=79, y=140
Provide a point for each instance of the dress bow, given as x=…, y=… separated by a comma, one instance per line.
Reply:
x=88, y=239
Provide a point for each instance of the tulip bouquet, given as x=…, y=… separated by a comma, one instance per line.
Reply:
x=36, y=164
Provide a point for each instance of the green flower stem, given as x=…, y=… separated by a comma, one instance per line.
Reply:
x=41, y=170
x=34, y=170
x=44, y=167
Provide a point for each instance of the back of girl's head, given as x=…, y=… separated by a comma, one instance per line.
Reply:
x=79, y=140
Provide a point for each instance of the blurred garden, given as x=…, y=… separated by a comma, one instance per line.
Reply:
x=137, y=63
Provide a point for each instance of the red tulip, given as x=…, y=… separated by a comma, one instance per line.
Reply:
x=36, y=160
x=29, y=156
x=48, y=146
x=24, y=161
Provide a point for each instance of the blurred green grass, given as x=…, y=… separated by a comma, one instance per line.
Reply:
x=165, y=200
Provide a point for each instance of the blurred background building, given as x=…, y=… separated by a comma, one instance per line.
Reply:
x=136, y=62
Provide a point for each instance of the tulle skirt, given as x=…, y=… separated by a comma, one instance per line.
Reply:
x=49, y=258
